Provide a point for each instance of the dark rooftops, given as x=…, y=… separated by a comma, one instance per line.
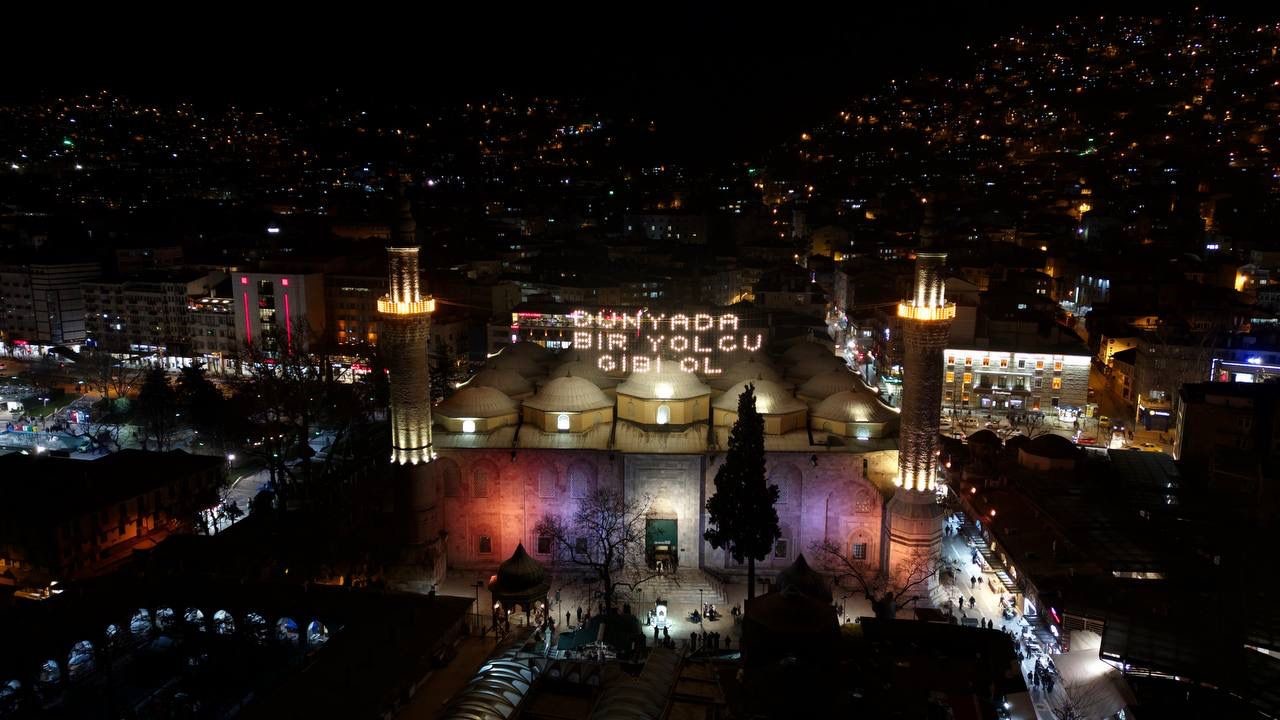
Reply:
x=53, y=486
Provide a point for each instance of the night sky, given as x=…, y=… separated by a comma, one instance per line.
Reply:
x=725, y=79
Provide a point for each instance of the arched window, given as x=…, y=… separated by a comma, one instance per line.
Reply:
x=562, y=422
x=664, y=414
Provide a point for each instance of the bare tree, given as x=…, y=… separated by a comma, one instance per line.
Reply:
x=605, y=536
x=886, y=590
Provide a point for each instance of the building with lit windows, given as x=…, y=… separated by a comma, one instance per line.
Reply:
x=983, y=380
x=145, y=313
x=42, y=304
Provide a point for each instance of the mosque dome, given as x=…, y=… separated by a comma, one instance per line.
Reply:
x=807, y=368
x=1054, y=447
x=577, y=367
x=985, y=437
x=826, y=384
x=508, y=382
x=771, y=398
x=568, y=394
x=663, y=385
x=523, y=365
x=477, y=401
x=854, y=406
x=528, y=350
x=752, y=368
x=805, y=350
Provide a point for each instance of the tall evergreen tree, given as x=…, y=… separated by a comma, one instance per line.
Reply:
x=157, y=409
x=203, y=405
x=741, y=515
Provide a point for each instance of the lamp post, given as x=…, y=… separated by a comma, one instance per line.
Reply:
x=479, y=584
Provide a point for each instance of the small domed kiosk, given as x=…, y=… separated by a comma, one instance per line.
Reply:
x=520, y=582
x=802, y=578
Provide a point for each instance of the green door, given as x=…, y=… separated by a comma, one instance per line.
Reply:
x=660, y=541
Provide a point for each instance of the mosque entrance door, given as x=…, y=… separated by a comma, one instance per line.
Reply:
x=660, y=543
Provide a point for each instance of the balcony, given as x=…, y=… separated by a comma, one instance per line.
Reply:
x=387, y=307
x=913, y=312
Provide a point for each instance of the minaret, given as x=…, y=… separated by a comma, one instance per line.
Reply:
x=406, y=323
x=915, y=522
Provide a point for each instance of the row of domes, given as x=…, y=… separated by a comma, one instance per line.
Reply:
x=838, y=397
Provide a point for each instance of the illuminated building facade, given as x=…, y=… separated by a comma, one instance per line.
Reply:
x=1013, y=380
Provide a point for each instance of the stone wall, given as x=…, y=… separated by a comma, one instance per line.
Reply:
x=485, y=493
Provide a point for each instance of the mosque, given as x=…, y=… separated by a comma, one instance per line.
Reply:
x=644, y=403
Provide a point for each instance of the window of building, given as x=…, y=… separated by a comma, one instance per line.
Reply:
x=580, y=546
x=664, y=414
x=1057, y=383
x=1021, y=363
x=544, y=544
x=1004, y=362
x=780, y=549
x=968, y=378
x=951, y=359
x=562, y=422
x=965, y=397
x=1035, y=403
x=1054, y=402
x=486, y=545
x=1039, y=382
x=948, y=395
x=859, y=551
x=951, y=376
x=968, y=361
x=1039, y=364
x=1057, y=366
x=986, y=362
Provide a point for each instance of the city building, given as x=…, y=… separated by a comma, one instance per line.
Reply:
x=145, y=314
x=212, y=323
x=62, y=518
x=1231, y=431
x=1010, y=380
x=43, y=303
x=277, y=310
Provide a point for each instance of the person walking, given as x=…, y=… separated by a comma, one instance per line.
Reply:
x=579, y=614
x=972, y=602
